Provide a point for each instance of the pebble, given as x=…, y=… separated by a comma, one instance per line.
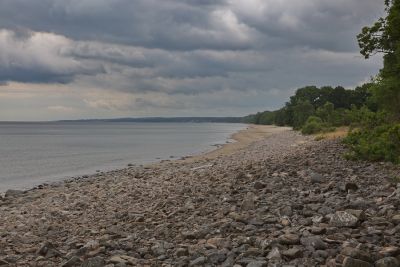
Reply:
x=284, y=201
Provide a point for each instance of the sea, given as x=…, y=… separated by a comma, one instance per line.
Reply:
x=35, y=153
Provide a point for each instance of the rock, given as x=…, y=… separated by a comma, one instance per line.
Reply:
x=390, y=251
x=274, y=254
x=387, y=262
x=48, y=250
x=396, y=219
x=13, y=193
x=94, y=262
x=313, y=241
x=258, y=185
x=360, y=214
x=73, y=261
x=318, y=230
x=350, y=262
x=292, y=253
x=343, y=219
x=219, y=242
x=286, y=211
x=316, y=178
x=181, y=252
x=351, y=186
x=198, y=262
x=216, y=257
x=123, y=259
x=357, y=254
x=289, y=239
x=257, y=264
x=248, y=202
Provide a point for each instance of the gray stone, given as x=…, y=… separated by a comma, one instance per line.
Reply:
x=198, y=262
x=357, y=254
x=257, y=264
x=274, y=254
x=313, y=241
x=94, y=262
x=73, y=261
x=258, y=185
x=343, y=219
x=387, y=262
x=351, y=186
x=292, y=253
x=350, y=262
x=289, y=239
x=181, y=252
x=13, y=193
x=216, y=257
x=316, y=178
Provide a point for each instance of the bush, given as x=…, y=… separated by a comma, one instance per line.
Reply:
x=313, y=125
x=381, y=143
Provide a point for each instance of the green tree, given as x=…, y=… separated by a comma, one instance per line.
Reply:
x=301, y=111
x=384, y=37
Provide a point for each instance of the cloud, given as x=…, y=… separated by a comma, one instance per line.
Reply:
x=153, y=56
x=39, y=57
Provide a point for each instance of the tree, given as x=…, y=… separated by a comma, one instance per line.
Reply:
x=384, y=37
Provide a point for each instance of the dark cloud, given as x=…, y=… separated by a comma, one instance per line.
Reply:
x=185, y=48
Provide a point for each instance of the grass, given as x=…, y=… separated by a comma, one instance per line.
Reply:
x=340, y=132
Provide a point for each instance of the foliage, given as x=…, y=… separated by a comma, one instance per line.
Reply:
x=384, y=37
x=376, y=144
x=313, y=125
x=330, y=104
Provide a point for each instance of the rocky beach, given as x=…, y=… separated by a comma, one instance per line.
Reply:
x=275, y=198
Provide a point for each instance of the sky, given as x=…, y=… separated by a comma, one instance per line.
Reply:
x=73, y=59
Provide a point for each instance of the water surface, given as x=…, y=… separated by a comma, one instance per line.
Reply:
x=35, y=153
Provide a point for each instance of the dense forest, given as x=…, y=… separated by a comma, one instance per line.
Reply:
x=372, y=110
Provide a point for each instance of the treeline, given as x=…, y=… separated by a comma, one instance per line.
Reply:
x=314, y=109
x=372, y=110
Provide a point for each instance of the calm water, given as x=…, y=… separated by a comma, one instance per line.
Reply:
x=34, y=153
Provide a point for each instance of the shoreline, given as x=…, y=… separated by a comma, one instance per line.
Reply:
x=86, y=174
x=282, y=200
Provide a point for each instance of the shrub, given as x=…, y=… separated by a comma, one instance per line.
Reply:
x=313, y=125
x=381, y=143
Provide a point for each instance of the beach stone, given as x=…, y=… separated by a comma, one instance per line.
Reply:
x=316, y=178
x=248, y=202
x=73, y=261
x=292, y=253
x=357, y=253
x=94, y=262
x=257, y=264
x=198, y=261
x=351, y=186
x=13, y=193
x=289, y=239
x=390, y=251
x=343, y=219
x=259, y=185
x=387, y=262
x=4, y=263
x=313, y=241
x=216, y=257
x=396, y=219
x=181, y=252
x=350, y=262
x=274, y=254
x=286, y=211
x=123, y=259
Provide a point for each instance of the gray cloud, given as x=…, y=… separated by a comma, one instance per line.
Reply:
x=185, y=50
x=39, y=57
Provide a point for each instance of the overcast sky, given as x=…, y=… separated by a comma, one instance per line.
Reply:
x=69, y=59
